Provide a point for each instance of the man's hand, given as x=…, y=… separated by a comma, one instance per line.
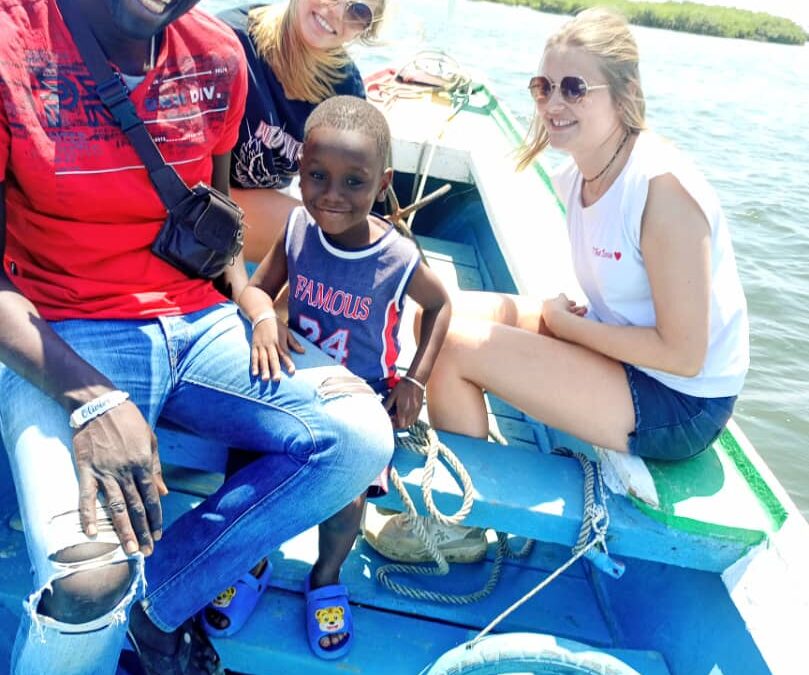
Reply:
x=116, y=454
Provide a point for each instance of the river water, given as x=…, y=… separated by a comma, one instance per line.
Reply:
x=740, y=109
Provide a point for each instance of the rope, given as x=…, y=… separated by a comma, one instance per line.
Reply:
x=596, y=517
x=595, y=520
x=423, y=440
x=430, y=72
x=503, y=552
x=459, y=100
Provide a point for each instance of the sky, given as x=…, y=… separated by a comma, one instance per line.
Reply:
x=797, y=10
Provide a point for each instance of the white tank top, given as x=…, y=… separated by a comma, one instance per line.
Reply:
x=605, y=245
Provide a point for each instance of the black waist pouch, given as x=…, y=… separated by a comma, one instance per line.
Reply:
x=203, y=234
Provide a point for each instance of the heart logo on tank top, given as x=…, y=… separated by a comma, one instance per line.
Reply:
x=617, y=255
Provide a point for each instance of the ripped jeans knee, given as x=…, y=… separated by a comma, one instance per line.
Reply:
x=343, y=385
x=75, y=623
x=91, y=584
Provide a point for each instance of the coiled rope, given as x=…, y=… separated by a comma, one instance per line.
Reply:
x=429, y=71
x=423, y=440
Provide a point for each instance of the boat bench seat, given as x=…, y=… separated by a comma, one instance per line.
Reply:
x=519, y=489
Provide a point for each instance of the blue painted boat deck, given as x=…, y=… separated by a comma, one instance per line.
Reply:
x=531, y=494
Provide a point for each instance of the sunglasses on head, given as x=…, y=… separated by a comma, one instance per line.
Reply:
x=572, y=87
x=359, y=14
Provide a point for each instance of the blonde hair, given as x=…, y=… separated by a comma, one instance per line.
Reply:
x=306, y=74
x=605, y=35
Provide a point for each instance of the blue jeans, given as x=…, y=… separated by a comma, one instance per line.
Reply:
x=323, y=434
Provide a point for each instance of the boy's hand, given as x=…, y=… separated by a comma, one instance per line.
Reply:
x=271, y=343
x=292, y=341
x=404, y=404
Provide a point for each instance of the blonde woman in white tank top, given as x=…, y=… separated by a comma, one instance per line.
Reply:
x=651, y=360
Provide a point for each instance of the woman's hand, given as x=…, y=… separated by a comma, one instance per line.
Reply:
x=555, y=311
x=116, y=454
x=404, y=404
x=272, y=341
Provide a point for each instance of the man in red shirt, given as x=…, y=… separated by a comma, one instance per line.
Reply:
x=99, y=338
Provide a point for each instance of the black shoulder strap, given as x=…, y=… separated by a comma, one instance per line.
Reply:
x=113, y=94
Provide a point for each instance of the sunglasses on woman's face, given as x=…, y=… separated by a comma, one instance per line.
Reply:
x=572, y=87
x=359, y=14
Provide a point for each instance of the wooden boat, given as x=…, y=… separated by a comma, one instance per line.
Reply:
x=714, y=552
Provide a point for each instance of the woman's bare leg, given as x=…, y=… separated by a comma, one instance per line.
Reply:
x=265, y=212
x=558, y=383
x=521, y=311
x=511, y=310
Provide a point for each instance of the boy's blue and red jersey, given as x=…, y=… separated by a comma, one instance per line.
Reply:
x=349, y=301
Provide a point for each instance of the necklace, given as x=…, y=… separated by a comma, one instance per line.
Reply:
x=608, y=164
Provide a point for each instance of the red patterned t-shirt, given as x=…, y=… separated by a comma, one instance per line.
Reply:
x=81, y=212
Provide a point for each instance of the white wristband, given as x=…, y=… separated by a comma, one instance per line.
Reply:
x=413, y=380
x=98, y=406
x=264, y=316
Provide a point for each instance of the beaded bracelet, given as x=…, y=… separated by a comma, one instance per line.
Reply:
x=413, y=380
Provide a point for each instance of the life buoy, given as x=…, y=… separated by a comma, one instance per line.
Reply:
x=527, y=653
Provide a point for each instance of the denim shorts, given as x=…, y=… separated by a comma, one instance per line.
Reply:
x=671, y=425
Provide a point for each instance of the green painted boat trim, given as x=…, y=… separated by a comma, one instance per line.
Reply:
x=772, y=505
x=493, y=109
x=701, y=476
x=748, y=538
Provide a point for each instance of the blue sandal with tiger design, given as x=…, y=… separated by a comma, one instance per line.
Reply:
x=328, y=613
x=236, y=603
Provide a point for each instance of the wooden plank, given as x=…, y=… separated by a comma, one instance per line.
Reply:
x=193, y=452
x=514, y=430
x=502, y=408
x=275, y=641
x=385, y=643
x=531, y=494
x=540, y=496
x=192, y=481
x=566, y=608
x=465, y=278
x=456, y=277
x=450, y=251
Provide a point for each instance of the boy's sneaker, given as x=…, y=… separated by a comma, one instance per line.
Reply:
x=392, y=536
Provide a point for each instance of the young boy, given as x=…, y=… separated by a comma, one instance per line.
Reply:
x=348, y=272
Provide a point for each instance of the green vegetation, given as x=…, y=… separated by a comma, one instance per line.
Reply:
x=689, y=17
